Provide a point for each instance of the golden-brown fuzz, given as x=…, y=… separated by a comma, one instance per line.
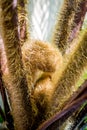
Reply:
x=42, y=64
x=41, y=61
x=49, y=82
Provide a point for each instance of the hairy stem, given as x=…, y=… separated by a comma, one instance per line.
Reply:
x=69, y=24
x=78, y=19
x=70, y=74
x=61, y=32
x=20, y=101
x=75, y=101
x=22, y=18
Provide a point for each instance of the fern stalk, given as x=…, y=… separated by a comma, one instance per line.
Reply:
x=23, y=21
x=78, y=19
x=20, y=102
x=70, y=75
x=69, y=23
x=62, y=30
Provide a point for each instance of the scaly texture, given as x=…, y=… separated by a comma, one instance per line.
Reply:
x=20, y=102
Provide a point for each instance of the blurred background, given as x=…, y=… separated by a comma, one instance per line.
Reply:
x=43, y=17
